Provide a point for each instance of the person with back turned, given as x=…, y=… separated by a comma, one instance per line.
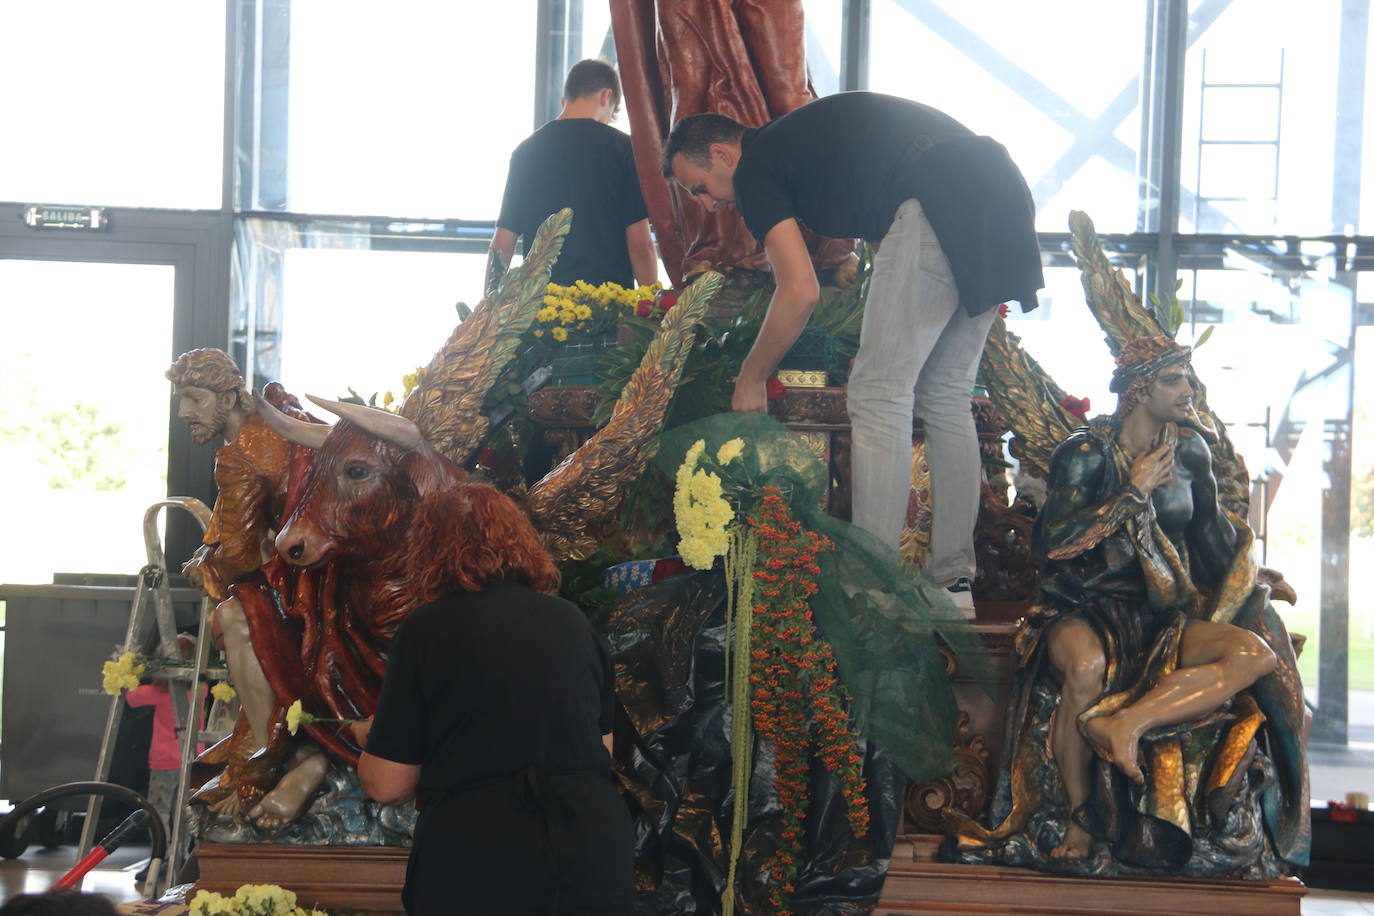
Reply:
x=578, y=160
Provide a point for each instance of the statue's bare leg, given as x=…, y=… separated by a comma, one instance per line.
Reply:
x=288, y=798
x=255, y=693
x=1076, y=653
x=1216, y=661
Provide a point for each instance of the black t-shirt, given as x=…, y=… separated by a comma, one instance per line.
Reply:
x=481, y=685
x=842, y=165
x=588, y=166
x=833, y=164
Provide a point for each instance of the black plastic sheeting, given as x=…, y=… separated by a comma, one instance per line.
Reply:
x=667, y=642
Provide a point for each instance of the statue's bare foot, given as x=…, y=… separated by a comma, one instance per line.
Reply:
x=1118, y=743
x=228, y=806
x=288, y=799
x=1077, y=844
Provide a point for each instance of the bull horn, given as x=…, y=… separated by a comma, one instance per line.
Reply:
x=383, y=424
x=310, y=435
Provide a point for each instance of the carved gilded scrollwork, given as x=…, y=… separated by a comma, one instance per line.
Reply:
x=965, y=788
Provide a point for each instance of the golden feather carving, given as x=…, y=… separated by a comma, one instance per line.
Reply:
x=447, y=403
x=1122, y=315
x=1109, y=295
x=1027, y=398
x=569, y=505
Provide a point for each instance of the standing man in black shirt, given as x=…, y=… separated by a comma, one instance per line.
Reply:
x=578, y=160
x=954, y=224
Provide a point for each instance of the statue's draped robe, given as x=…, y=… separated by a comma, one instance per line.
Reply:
x=745, y=59
x=1111, y=564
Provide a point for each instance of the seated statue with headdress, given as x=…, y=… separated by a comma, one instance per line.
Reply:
x=1157, y=721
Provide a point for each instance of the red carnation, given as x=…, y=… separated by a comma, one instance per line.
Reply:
x=775, y=388
x=1003, y=310
x=487, y=457
x=666, y=302
x=1079, y=407
x=644, y=308
x=666, y=568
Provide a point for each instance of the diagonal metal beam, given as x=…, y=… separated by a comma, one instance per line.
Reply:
x=1092, y=136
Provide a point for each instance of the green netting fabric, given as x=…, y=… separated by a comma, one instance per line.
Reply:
x=884, y=624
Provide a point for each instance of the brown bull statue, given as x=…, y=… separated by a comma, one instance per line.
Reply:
x=390, y=513
x=392, y=516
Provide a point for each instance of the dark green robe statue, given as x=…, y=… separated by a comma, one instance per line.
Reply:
x=1225, y=795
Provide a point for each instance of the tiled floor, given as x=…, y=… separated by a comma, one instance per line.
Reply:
x=1319, y=902
x=37, y=869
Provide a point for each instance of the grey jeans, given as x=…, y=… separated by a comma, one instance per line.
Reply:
x=917, y=347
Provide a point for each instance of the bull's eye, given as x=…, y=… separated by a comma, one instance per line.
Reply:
x=358, y=472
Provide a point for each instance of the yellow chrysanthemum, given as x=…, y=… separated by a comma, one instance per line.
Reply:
x=264, y=900
x=223, y=692
x=559, y=334
x=122, y=674
x=208, y=903
x=547, y=313
x=538, y=332
x=729, y=451
x=293, y=717
x=702, y=513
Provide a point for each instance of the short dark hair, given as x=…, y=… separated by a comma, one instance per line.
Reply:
x=588, y=76
x=59, y=902
x=693, y=136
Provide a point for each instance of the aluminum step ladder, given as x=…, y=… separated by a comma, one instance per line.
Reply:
x=153, y=607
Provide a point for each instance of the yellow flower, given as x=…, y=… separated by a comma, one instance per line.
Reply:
x=293, y=717
x=583, y=312
x=388, y=399
x=702, y=513
x=538, y=332
x=208, y=903
x=547, y=313
x=729, y=451
x=223, y=692
x=264, y=900
x=122, y=674
x=559, y=333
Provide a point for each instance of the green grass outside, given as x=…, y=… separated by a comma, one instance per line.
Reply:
x=1361, y=649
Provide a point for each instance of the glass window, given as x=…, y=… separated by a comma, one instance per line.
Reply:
x=1060, y=91
x=824, y=37
x=126, y=110
x=411, y=113
x=1278, y=372
x=83, y=416
x=1263, y=147
x=597, y=40
x=324, y=306
x=365, y=319
x=1064, y=337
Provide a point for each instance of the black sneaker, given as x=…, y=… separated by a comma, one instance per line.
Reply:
x=960, y=592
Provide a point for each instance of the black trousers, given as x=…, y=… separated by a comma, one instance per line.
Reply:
x=535, y=844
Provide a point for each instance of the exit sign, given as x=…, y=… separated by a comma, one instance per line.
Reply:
x=39, y=216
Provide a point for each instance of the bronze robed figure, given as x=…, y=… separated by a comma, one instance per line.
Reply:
x=1157, y=722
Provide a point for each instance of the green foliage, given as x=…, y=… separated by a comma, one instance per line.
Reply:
x=708, y=379
x=1171, y=314
x=80, y=448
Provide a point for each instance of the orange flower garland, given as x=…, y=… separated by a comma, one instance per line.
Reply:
x=799, y=704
